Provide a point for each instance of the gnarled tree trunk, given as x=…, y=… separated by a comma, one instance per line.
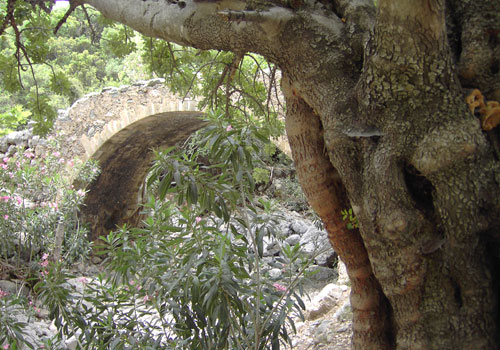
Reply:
x=377, y=120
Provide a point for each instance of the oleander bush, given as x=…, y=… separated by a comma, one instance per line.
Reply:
x=194, y=275
x=37, y=197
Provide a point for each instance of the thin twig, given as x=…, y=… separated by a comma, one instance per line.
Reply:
x=92, y=31
x=9, y=17
x=72, y=6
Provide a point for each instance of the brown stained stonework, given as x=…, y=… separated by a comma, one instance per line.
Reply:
x=119, y=127
x=124, y=159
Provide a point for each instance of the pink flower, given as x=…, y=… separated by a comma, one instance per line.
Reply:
x=18, y=165
x=6, y=217
x=132, y=282
x=19, y=200
x=80, y=193
x=6, y=346
x=198, y=219
x=6, y=159
x=279, y=287
x=3, y=293
x=71, y=163
x=229, y=128
x=45, y=256
x=61, y=161
x=56, y=154
x=44, y=263
x=83, y=280
x=53, y=205
x=4, y=166
x=146, y=298
x=28, y=154
x=5, y=198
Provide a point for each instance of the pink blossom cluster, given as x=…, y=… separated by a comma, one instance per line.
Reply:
x=132, y=283
x=52, y=205
x=29, y=154
x=3, y=293
x=18, y=199
x=37, y=310
x=4, y=165
x=279, y=287
x=44, y=263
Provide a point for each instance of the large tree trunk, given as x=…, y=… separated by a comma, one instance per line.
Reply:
x=383, y=128
x=424, y=200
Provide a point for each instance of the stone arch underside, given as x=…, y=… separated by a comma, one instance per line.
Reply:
x=124, y=160
x=118, y=127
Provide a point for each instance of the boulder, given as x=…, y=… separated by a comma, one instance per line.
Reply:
x=326, y=300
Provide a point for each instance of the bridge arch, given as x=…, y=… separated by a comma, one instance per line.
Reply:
x=119, y=127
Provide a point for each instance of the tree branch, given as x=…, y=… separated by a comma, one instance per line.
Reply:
x=9, y=17
x=220, y=25
x=72, y=6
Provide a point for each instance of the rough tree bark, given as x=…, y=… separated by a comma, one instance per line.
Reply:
x=377, y=120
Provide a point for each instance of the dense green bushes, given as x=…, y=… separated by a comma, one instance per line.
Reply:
x=54, y=70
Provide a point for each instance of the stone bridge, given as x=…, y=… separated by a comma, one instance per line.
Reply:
x=119, y=127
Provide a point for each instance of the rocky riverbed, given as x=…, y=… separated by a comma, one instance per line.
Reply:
x=327, y=323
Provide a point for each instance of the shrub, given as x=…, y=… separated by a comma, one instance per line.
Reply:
x=36, y=196
x=194, y=275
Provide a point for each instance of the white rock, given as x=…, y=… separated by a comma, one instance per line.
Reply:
x=293, y=239
x=343, y=278
x=342, y=312
x=299, y=227
x=14, y=288
x=324, y=301
x=274, y=273
x=18, y=137
x=72, y=343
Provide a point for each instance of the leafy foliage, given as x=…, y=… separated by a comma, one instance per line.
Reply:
x=13, y=119
x=35, y=199
x=194, y=275
x=43, y=71
x=11, y=329
x=352, y=221
x=241, y=87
